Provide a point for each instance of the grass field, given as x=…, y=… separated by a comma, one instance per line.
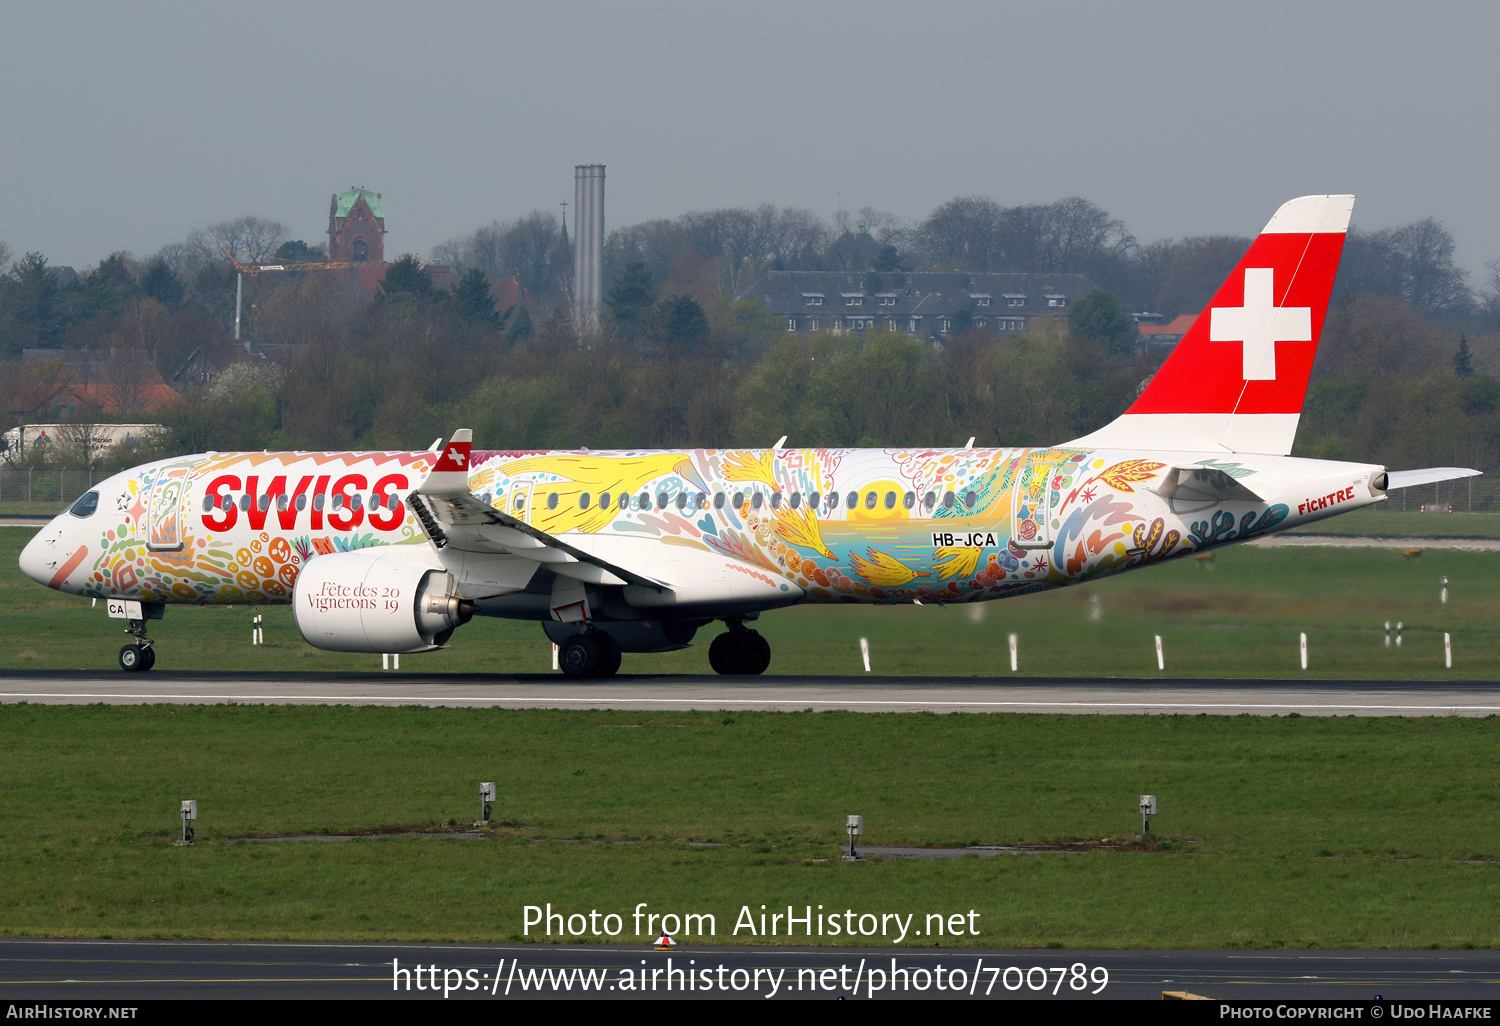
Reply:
x=1334, y=832
x=1273, y=831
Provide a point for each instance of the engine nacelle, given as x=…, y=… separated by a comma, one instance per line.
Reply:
x=370, y=601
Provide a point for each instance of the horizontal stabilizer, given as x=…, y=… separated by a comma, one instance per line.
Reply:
x=1431, y=475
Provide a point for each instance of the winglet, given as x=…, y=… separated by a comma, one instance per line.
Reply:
x=450, y=474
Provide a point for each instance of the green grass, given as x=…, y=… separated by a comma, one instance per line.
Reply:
x=1275, y=831
x=1383, y=522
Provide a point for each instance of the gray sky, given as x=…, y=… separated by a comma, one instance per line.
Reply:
x=125, y=125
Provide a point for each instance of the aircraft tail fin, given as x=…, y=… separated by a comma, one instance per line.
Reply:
x=451, y=471
x=1236, y=381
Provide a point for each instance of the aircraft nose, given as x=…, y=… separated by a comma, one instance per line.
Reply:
x=48, y=559
x=37, y=553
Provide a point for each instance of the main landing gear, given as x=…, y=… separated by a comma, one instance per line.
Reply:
x=739, y=651
x=590, y=654
x=141, y=656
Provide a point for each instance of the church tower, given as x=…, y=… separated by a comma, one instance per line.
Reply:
x=356, y=227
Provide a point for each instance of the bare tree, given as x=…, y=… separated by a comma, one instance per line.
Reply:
x=253, y=239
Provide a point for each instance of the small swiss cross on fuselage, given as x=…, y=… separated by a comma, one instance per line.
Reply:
x=455, y=457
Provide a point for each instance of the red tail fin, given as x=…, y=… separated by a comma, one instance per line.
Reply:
x=1237, y=379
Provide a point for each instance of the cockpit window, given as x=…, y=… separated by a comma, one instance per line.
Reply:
x=85, y=505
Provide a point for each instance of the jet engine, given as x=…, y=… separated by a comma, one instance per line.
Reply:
x=370, y=601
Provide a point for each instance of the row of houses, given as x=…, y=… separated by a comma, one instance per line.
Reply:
x=924, y=303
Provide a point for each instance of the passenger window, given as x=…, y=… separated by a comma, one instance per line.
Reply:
x=551, y=500
x=969, y=498
x=583, y=501
x=775, y=500
x=338, y=501
x=624, y=502
x=302, y=501
x=643, y=501
x=796, y=500
x=265, y=503
x=661, y=500
x=604, y=500
x=208, y=503
x=948, y=499
x=869, y=500
x=852, y=500
x=244, y=503
x=929, y=500
x=318, y=500
x=890, y=500
x=757, y=499
x=833, y=500
x=682, y=500
x=910, y=500
x=812, y=501
x=354, y=502
x=85, y=505
x=718, y=500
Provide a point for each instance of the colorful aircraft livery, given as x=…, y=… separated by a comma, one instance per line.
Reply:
x=635, y=551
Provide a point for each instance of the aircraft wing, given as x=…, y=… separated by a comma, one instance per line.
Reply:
x=456, y=521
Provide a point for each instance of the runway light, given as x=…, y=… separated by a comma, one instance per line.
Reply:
x=189, y=813
x=1148, y=809
x=856, y=828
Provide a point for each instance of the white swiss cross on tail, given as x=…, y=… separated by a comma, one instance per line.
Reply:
x=1259, y=325
x=1209, y=396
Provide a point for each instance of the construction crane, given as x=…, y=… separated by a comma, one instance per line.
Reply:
x=254, y=269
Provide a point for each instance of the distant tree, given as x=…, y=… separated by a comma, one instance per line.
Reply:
x=474, y=303
x=963, y=234
x=406, y=278
x=1463, y=363
x=681, y=323
x=33, y=314
x=1101, y=318
x=295, y=251
x=159, y=282
x=632, y=294
x=252, y=239
x=106, y=289
x=520, y=327
x=888, y=259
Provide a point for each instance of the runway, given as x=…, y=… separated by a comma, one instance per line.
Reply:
x=130, y=971
x=786, y=694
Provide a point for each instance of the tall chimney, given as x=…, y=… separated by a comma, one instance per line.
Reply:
x=588, y=245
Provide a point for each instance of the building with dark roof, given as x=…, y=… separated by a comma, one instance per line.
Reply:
x=924, y=303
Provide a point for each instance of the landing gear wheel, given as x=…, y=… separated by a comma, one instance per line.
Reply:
x=581, y=656
x=133, y=658
x=148, y=658
x=739, y=651
x=610, y=664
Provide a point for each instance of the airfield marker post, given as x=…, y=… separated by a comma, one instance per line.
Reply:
x=554, y=655
x=1447, y=651
x=1303, y=647
x=864, y=650
x=1161, y=663
x=1013, y=653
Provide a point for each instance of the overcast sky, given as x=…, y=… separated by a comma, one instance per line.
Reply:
x=126, y=125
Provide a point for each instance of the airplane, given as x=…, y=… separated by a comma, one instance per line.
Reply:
x=636, y=551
